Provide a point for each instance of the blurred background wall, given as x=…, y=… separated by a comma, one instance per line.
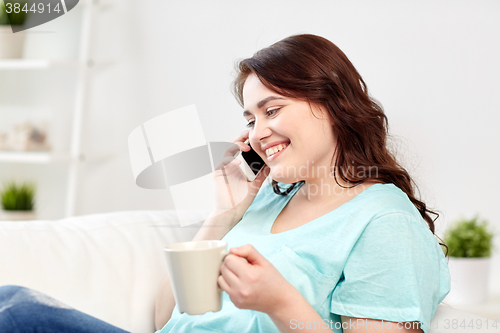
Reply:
x=433, y=65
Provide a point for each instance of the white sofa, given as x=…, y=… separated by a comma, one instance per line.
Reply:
x=110, y=265
x=106, y=265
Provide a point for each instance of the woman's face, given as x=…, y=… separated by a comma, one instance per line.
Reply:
x=295, y=141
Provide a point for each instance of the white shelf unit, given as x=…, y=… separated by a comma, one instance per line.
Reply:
x=80, y=67
x=31, y=157
x=31, y=64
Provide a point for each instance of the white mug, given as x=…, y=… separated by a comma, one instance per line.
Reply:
x=193, y=268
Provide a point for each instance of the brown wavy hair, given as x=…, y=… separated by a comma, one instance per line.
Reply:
x=313, y=69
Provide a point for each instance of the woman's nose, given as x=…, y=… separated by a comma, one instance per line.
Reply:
x=260, y=131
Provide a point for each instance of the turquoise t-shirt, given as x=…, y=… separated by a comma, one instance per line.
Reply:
x=372, y=257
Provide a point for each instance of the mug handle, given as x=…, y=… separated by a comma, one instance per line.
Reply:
x=224, y=254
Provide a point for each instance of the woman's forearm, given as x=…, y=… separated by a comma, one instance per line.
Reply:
x=217, y=225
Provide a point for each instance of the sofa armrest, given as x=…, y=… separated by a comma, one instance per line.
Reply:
x=106, y=265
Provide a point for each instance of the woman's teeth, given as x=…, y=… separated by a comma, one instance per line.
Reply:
x=273, y=150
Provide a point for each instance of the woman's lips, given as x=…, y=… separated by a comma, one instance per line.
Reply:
x=275, y=148
x=275, y=155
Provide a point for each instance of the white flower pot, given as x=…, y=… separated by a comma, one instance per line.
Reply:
x=17, y=215
x=469, y=280
x=11, y=44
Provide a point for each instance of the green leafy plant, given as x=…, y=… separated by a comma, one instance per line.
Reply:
x=13, y=18
x=18, y=196
x=469, y=238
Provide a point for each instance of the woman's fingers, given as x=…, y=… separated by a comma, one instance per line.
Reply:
x=242, y=137
x=240, y=141
x=222, y=283
x=242, y=146
x=228, y=168
x=232, y=149
x=227, y=156
x=236, y=265
x=237, y=145
x=228, y=273
x=227, y=163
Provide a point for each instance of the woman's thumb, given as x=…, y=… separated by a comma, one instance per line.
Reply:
x=248, y=252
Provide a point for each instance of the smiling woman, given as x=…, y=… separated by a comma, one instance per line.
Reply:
x=345, y=247
x=338, y=241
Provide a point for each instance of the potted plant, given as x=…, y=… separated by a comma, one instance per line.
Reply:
x=11, y=44
x=18, y=201
x=470, y=244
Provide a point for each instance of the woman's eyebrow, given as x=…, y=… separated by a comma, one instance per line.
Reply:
x=261, y=104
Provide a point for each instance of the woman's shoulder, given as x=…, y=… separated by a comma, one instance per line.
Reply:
x=386, y=198
x=386, y=203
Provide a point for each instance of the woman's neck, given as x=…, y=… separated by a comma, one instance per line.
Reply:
x=325, y=190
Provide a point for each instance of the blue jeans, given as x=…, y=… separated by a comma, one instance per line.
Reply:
x=24, y=310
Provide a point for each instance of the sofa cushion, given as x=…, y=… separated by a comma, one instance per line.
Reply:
x=106, y=265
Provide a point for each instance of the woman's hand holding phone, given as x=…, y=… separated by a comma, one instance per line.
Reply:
x=233, y=190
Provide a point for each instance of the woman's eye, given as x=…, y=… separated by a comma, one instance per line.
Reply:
x=271, y=112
